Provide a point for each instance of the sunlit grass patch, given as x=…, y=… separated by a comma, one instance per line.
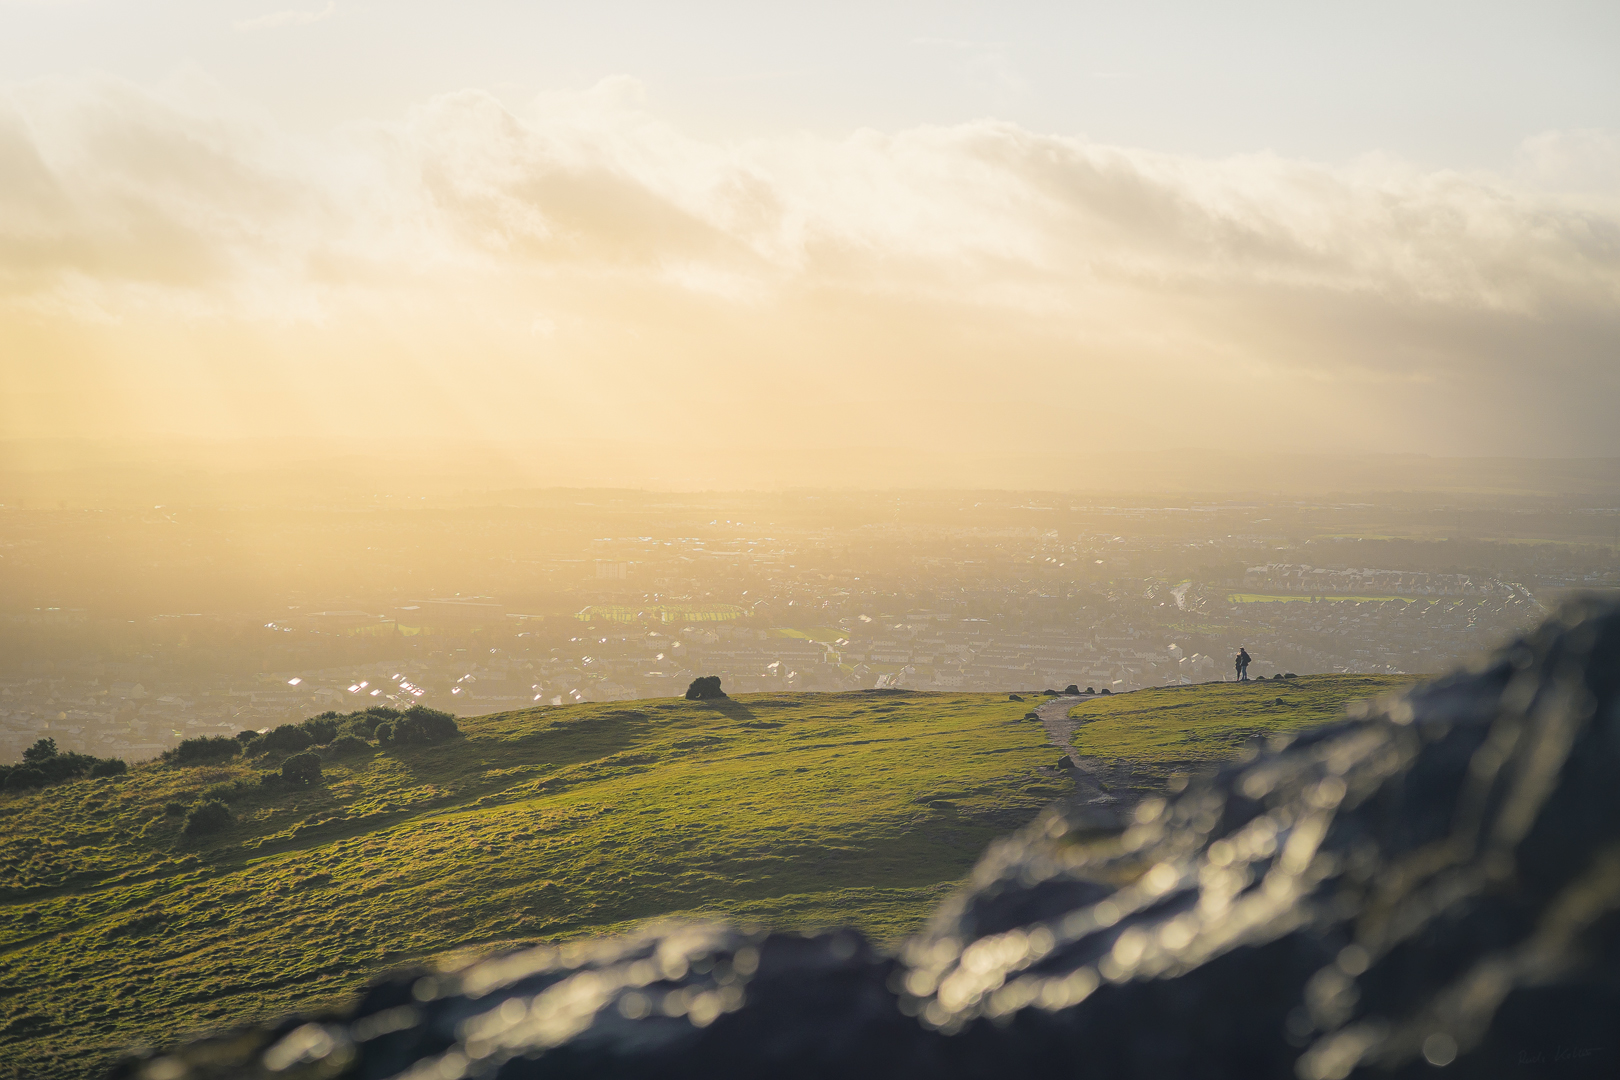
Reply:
x=824, y=634
x=1268, y=598
x=1209, y=721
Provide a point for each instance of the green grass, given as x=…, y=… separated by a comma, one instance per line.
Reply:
x=798, y=810
x=794, y=810
x=1167, y=729
x=824, y=634
x=1267, y=598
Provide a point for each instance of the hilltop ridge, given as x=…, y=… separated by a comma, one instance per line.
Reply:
x=792, y=810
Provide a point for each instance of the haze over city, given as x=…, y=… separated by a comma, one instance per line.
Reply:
x=357, y=337
x=844, y=329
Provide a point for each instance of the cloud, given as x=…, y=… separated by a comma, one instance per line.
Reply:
x=933, y=284
x=287, y=18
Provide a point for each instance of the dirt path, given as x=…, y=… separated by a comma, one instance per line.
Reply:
x=1054, y=714
x=1089, y=787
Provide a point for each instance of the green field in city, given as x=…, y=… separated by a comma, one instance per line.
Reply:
x=1270, y=598
x=823, y=634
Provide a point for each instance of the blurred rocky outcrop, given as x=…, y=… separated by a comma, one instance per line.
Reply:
x=1431, y=887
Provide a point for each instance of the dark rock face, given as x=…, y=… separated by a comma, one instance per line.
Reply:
x=705, y=688
x=1430, y=888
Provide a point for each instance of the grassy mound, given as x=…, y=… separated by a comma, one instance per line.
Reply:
x=120, y=925
x=1142, y=738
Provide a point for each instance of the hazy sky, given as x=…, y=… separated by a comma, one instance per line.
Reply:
x=964, y=226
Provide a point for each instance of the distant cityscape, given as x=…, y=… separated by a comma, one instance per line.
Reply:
x=927, y=605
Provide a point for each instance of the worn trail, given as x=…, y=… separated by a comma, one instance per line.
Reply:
x=1060, y=728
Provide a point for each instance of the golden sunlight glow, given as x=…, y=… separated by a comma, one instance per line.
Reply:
x=586, y=272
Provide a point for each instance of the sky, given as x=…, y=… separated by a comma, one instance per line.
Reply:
x=741, y=229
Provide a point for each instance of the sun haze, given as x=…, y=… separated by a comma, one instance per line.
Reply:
x=494, y=476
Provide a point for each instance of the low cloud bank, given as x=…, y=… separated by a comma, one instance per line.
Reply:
x=173, y=265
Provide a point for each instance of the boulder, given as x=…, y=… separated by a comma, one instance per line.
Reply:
x=705, y=688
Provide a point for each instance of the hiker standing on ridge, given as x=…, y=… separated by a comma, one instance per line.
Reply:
x=1242, y=664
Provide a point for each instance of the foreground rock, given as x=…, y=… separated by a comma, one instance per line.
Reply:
x=1433, y=885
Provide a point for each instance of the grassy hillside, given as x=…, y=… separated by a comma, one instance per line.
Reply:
x=794, y=810
x=798, y=810
x=1140, y=739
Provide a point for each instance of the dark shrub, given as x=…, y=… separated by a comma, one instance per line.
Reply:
x=246, y=736
x=207, y=817
x=705, y=688
x=1105, y=690
x=109, y=767
x=418, y=725
x=286, y=739
x=174, y=808
x=321, y=730
x=24, y=777
x=204, y=750
x=421, y=724
x=1089, y=690
x=365, y=723
x=225, y=790
x=253, y=746
x=45, y=770
x=269, y=779
x=301, y=770
x=44, y=748
x=348, y=744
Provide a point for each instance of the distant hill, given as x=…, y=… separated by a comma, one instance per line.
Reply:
x=798, y=810
x=1136, y=743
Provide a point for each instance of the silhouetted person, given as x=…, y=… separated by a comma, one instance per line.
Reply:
x=1242, y=664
